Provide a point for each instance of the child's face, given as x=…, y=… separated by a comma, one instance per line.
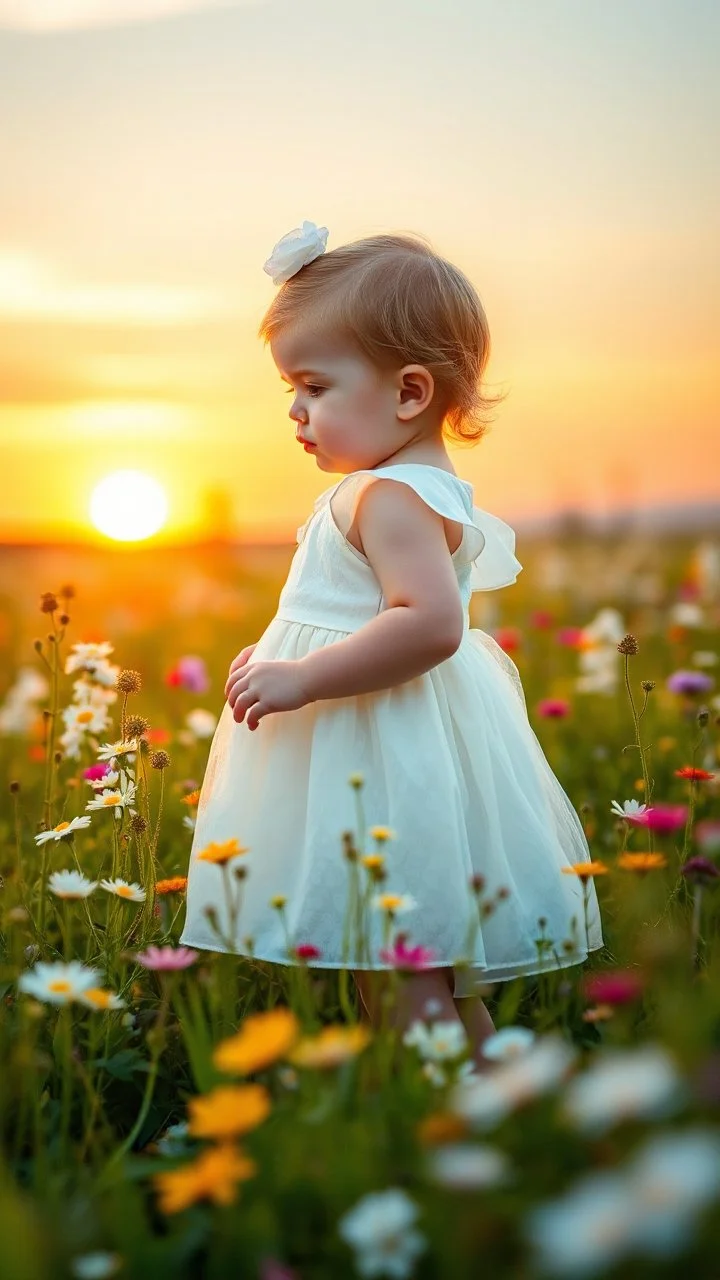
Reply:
x=353, y=415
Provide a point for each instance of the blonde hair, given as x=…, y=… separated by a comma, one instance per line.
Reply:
x=400, y=303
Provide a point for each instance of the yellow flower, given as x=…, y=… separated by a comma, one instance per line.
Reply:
x=642, y=861
x=213, y=1176
x=585, y=869
x=667, y=744
x=261, y=1040
x=356, y=780
x=332, y=1046
x=221, y=853
x=191, y=798
x=278, y=902
x=228, y=1111
x=373, y=860
x=382, y=833
x=639, y=784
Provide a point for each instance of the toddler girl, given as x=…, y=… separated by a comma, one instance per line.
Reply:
x=370, y=686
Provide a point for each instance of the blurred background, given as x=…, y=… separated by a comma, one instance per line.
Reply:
x=154, y=151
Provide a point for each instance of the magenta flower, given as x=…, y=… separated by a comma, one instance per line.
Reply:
x=619, y=986
x=553, y=708
x=306, y=951
x=663, y=818
x=410, y=958
x=542, y=619
x=707, y=834
x=689, y=683
x=96, y=771
x=167, y=958
x=569, y=636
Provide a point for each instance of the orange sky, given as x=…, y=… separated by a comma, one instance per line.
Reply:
x=151, y=163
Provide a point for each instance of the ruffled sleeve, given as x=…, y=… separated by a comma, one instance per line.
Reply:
x=491, y=547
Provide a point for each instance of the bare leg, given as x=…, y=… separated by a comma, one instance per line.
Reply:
x=478, y=1024
x=416, y=990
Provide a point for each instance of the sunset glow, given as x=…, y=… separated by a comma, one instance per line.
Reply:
x=128, y=506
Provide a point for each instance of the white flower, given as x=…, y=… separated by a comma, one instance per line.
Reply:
x=109, y=750
x=464, y=1166
x=296, y=249
x=672, y=1177
x=380, y=1230
x=71, y=741
x=63, y=829
x=70, y=884
x=630, y=809
x=485, y=1100
x=107, y=781
x=202, y=724
x=705, y=658
x=18, y=712
x=58, y=983
x=84, y=718
x=508, y=1043
x=441, y=1042
x=584, y=1231
x=189, y=822
x=686, y=614
x=117, y=800
x=640, y=1084
x=121, y=889
x=96, y=1266
x=84, y=657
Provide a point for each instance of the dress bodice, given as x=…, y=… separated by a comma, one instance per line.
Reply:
x=331, y=584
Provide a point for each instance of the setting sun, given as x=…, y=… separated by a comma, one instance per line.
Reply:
x=128, y=506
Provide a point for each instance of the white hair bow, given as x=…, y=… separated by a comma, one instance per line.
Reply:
x=299, y=247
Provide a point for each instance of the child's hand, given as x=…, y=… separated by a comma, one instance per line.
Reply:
x=266, y=687
x=237, y=664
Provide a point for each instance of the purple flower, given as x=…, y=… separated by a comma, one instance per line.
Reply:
x=189, y=673
x=701, y=870
x=690, y=683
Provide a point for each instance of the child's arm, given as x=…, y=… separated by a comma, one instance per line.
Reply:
x=422, y=625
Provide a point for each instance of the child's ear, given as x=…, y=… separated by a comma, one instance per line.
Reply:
x=416, y=386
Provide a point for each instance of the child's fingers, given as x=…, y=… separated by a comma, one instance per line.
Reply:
x=239, y=662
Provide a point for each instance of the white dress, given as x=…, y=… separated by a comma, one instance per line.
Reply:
x=449, y=761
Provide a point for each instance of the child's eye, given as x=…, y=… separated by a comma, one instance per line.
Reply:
x=311, y=387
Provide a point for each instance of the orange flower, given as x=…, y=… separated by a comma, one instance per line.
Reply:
x=697, y=775
x=330, y=1047
x=213, y=1176
x=599, y=1013
x=585, y=869
x=642, y=862
x=191, y=798
x=177, y=884
x=221, y=853
x=439, y=1127
x=261, y=1040
x=228, y=1111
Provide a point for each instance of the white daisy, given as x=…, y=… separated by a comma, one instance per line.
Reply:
x=629, y=809
x=83, y=657
x=380, y=1229
x=670, y=1180
x=107, y=782
x=84, y=718
x=397, y=903
x=189, y=822
x=486, y=1099
x=465, y=1166
x=71, y=884
x=58, y=983
x=63, y=829
x=109, y=750
x=201, y=723
x=99, y=1265
x=117, y=800
x=441, y=1042
x=583, y=1231
x=507, y=1043
x=624, y=1084
x=121, y=889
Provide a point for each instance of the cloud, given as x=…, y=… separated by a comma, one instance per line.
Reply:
x=61, y=15
x=31, y=290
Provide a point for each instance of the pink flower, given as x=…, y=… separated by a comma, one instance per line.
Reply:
x=509, y=638
x=306, y=951
x=663, y=818
x=569, y=636
x=707, y=834
x=542, y=619
x=96, y=771
x=402, y=957
x=555, y=708
x=190, y=673
x=271, y=1269
x=167, y=958
x=620, y=986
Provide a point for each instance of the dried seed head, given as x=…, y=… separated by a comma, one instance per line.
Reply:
x=502, y=893
x=58, y=757
x=647, y=686
x=48, y=602
x=240, y=873
x=136, y=726
x=14, y=787
x=37, y=646
x=129, y=681
x=159, y=759
x=138, y=824
x=64, y=619
x=477, y=883
x=703, y=716
x=628, y=645
x=349, y=850
x=67, y=591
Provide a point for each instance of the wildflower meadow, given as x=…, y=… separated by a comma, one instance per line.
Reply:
x=171, y=1112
